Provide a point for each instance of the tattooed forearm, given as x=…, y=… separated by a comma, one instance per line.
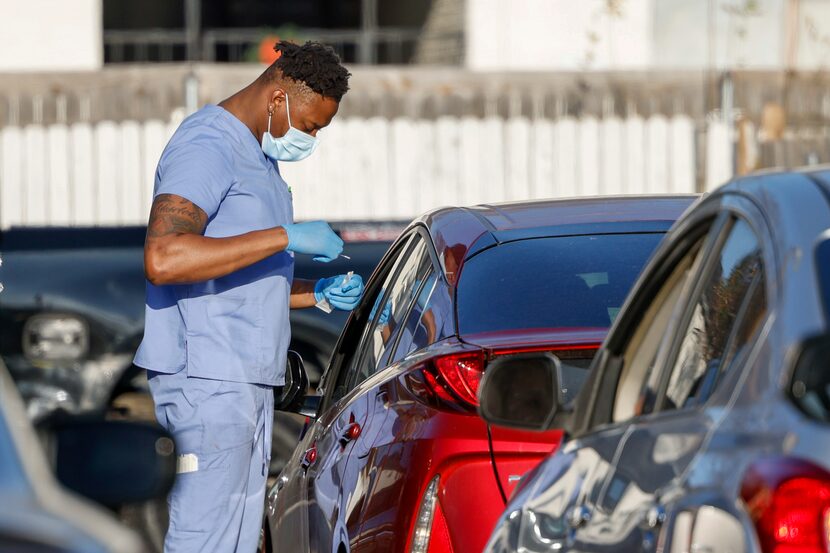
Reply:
x=173, y=214
x=177, y=252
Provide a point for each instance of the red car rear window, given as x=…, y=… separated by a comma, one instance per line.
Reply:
x=553, y=282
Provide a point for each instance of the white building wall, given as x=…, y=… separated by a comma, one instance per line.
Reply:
x=814, y=39
x=557, y=34
x=51, y=35
x=573, y=35
x=717, y=33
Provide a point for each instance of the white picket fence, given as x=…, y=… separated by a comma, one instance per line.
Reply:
x=371, y=168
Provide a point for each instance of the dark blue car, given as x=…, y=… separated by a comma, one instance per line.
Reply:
x=704, y=423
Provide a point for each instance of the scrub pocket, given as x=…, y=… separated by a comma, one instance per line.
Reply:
x=197, y=500
x=207, y=497
x=224, y=337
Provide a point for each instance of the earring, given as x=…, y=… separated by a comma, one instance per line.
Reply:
x=270, y=113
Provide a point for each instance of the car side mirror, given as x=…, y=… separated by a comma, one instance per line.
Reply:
x=523, y=391
x=114, y=462
x=292, y=396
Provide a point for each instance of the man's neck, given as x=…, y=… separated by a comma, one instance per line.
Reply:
x=239, y=104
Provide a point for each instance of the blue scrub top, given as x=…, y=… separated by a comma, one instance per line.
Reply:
x=235, y=327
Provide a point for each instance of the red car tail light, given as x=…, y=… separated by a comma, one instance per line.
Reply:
x=461, y=373
x=789, y=502
x=455, y=378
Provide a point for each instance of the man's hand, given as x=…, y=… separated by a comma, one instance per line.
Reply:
x=175, y=251
x=315, y=238
x=341, y=294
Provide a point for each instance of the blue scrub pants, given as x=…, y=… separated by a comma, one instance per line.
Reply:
x=222, y=432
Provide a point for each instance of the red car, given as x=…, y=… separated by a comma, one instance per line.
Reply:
x=394, y=457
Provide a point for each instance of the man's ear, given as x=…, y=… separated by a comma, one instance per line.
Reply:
x=276, y=99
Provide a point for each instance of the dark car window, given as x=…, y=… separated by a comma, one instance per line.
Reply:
x=736, y=271
x=554, y=282
x=347, y=377
x=637, y=388
x=389, y=310
x=430, y=320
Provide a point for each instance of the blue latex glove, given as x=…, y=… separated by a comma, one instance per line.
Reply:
x=340, y=294
x=384, y=314
x=315, y=238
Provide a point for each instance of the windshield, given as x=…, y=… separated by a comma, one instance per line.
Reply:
x=550, y=283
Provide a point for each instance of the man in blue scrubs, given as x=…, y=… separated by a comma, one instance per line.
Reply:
x=219, y=260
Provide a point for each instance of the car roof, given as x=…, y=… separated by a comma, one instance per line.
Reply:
x=464, y=231
x=785, y=197
x=597, y=209
x=756, y=183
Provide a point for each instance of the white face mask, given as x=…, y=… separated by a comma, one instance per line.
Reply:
x=293, y=146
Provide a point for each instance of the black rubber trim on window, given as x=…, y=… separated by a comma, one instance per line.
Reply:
x=823, y=268
x=822, y=253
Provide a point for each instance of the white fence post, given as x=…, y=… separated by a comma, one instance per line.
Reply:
x=612, y=178
x=129, y=173
x=517, y=158
x=719, y=154
x=682, y=159
x=541, y=157
x=657, y=154
x=35, y=186
x=154, y=137
x=565, y=155
x=11, y=176
x=448, y=162
x=469, y=154
x=83, y=173
x=108, y=198
x=634, y=154
x=589, y=156
x=59, y=167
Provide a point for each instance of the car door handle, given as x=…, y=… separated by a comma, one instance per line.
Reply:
x=351, y=433
x=310, y=457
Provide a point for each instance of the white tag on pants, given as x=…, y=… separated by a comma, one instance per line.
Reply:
x=187, y=463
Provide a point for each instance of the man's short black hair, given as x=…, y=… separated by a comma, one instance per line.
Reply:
x=313, y=64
